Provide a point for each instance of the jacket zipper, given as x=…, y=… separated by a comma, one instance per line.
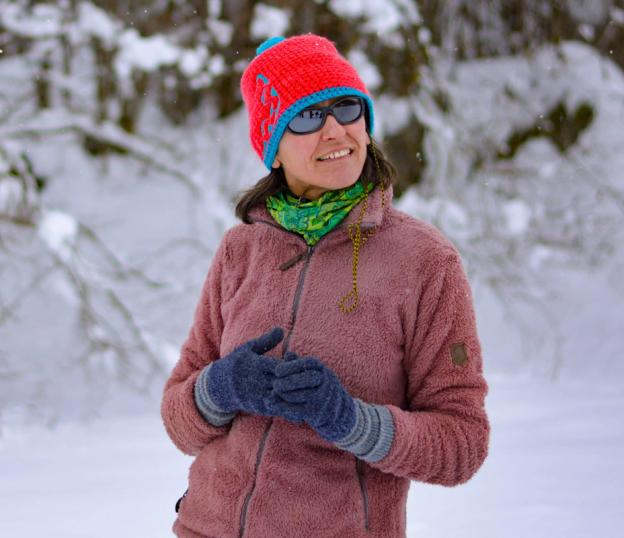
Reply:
x=253, y=487
x=363, y=490
x=295, y=307
x=243, y=518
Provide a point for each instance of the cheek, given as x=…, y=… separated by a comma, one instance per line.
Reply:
x=358, y=132
x=295, y=150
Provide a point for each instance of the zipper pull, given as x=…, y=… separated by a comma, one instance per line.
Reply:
x=288, y=264
x=292, y=261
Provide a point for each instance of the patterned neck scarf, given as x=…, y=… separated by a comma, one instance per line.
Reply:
x=315, y=218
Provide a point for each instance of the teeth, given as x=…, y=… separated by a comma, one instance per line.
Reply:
x=335, y=155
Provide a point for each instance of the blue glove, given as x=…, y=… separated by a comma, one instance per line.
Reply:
x=305, y=390
x=243, y=379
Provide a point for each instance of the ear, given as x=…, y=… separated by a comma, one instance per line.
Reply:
x=276, y=163
x=369, y=139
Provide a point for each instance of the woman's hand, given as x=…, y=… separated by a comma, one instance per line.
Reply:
x=305, y=390
x=243, y=379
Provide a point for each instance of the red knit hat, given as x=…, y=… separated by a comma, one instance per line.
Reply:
x=288, y=75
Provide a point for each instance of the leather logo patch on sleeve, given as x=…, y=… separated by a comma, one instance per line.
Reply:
x=459, y=354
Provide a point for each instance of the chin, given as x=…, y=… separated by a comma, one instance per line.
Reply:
x=341, y=183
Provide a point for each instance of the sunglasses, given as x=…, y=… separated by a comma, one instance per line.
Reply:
x=346, y=110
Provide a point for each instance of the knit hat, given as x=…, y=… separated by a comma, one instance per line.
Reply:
x=288, y=75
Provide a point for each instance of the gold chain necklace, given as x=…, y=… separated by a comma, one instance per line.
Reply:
x=355, y=234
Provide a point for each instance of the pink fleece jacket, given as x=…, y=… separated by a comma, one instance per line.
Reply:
x=411, y=345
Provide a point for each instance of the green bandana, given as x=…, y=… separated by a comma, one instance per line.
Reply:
x=315, y=218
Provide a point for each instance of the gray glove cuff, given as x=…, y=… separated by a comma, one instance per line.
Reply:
x=208, y=409
x=373, y=433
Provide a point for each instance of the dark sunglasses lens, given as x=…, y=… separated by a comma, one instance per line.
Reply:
x=348, y=110
x=306, y=121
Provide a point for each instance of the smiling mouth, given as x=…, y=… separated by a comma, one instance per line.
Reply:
x=336, y=155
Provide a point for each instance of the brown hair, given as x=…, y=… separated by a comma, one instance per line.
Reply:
x=384, y=172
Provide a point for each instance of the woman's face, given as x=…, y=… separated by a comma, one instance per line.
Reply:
x=308, y=167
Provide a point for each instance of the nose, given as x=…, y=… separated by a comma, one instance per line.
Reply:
x=332, y=129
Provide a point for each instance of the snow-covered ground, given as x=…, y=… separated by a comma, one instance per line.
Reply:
x=554, y=470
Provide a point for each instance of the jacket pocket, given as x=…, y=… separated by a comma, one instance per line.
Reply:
x=359, y=466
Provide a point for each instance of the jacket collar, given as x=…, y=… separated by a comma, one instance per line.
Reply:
x=373, y=216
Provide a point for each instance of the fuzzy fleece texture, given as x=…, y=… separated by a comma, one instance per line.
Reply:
x=411, y=346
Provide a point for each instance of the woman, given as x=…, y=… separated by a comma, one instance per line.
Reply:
x=333, y=355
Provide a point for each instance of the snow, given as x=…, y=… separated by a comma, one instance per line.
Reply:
x=590, y=12
x=368, y=72
x=192, y=61
x=216, y=65
x=10, y=192
x=268, y=21
x=554, y=469
x=449, y=215
x=145, y=53
x=142, y=227
x=59, y=231
x=539, y=254
x=221, y=31
x=617, y=15
x=517, y=215
x=97, y=22
x=150, y=53
x=43, y=20
x=536, y=227
x=394, y=113
x=424, y=35
x=396, y=14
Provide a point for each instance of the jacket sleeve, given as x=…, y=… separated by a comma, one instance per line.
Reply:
x=184, y=423
x=442, y=437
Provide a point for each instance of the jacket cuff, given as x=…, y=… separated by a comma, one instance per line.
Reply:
x=211, y=412
x=373, y=432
